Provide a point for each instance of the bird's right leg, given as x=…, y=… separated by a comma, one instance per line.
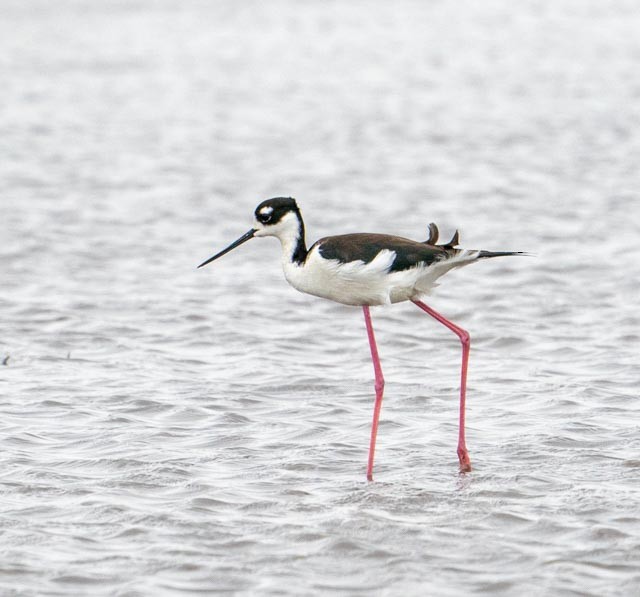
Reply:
x=379, y=385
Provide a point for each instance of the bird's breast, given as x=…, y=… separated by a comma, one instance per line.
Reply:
x=351, y=283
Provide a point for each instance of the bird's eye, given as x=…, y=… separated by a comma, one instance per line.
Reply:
x=265, y=218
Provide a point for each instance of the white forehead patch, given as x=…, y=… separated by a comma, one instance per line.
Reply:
x=266, y=210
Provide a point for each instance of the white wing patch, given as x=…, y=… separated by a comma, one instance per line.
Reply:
x=357, y=269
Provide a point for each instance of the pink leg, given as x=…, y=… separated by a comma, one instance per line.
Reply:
x=463, y=454
x=379, y=389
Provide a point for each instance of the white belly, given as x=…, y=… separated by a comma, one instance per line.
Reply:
x=359, y=283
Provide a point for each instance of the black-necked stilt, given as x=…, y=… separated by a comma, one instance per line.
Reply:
x=365, y=270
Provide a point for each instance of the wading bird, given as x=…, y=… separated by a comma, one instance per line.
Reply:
x=365, y=270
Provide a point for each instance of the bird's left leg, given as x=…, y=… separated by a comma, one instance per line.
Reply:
x=463, y=454
x=379, y=390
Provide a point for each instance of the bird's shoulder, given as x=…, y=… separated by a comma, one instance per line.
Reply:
x=365, y=247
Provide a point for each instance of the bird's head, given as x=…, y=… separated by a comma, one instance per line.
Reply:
x=278, y=217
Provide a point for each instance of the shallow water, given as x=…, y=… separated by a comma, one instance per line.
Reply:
x=167, y=430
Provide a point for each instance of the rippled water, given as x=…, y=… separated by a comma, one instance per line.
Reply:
x=167, y=430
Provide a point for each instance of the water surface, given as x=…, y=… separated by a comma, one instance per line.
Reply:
x=168, y=431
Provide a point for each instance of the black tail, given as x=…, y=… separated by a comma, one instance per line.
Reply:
x=487, y=254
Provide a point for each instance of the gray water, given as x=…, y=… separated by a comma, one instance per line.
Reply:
x=173, y=431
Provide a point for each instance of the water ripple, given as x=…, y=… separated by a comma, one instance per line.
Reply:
x=167, y=430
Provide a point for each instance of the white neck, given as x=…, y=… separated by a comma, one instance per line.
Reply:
x=290, y=232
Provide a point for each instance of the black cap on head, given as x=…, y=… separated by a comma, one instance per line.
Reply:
x=272, y=210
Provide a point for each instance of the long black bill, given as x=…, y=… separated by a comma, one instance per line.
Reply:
x=243, y=239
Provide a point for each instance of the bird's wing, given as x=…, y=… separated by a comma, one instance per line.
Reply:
x=365, y=247
x=454, y=242
x=433, y=234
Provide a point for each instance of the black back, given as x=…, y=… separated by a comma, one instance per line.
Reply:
x=364, y=247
